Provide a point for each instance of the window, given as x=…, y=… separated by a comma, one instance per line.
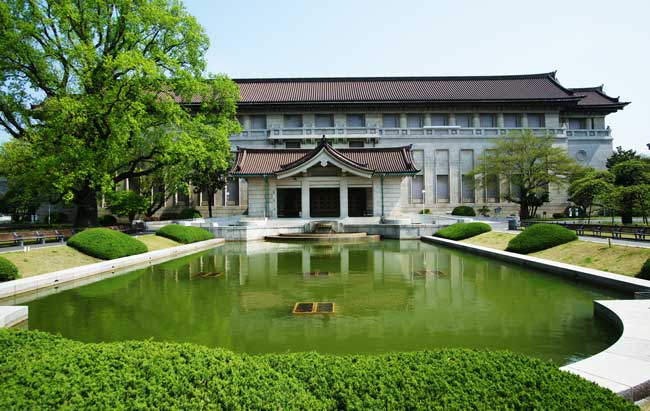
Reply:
x=241, y=121
x=442, y=188
x=231, y=193
x=492, y=188
x=577, y=123
x=292, y=144
x=356, y=143
x=414, y=120
x=487, y=120
x=438, y=120
x=512, y=120
x=293, y=120
x=417, y=187
x=535, y=120
x=355, y=120
x=463, y=120
x=258, y=122
x=467, y=192
x=324, y=120
x=391, y=121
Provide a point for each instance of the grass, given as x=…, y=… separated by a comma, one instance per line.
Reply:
x=617, y=259
x=48, y=259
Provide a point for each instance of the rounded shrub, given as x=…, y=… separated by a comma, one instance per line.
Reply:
x=188, y=213
x=465, y=211
x=8, y=271
x=184, y=234
x=538, y=237
x=106, y=244
x=107, y=220
x=644, y=274
x=461, y=231
x=175, y=376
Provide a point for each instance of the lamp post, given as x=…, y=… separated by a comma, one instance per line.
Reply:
x=423, y=201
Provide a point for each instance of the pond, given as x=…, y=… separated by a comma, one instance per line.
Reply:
x=387, y=296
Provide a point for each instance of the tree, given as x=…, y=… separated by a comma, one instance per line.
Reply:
x=90, y=93
x=589, y=189
x=621, y=155
x=632, y=180
x=529, y=165
x=127, y=203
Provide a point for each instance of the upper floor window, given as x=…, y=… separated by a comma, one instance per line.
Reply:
x=535, y=120
x=463, y=120
x=512, y=120
x=355, y=120
x=293, y=120
x=414, y=120
x=356, y=143
x=487, y=120
x=258, y=122
x=391, y=120
x=241, y=121
x=439, y=120
x=577, y=123
x=292, y=144
x=324, y=120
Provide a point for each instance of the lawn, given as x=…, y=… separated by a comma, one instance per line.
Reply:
x=617, y=259
x=49, y=259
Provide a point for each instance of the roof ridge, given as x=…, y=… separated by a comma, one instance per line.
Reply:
x=393, y=78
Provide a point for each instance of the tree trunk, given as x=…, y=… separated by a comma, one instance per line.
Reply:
x=210, y=200
x=626, y=216
x=523, y=211
x=86, y=202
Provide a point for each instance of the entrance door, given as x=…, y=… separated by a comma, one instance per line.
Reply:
x=357, y=201
x=324, y=202
x=289, y=202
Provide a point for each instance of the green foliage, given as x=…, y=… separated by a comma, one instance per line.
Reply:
x=645, y=271
x=184, y=234
x=107, y=220
x=42, y=371
x=590, y=189
x=621, y=155
x=188, y=213
x=127, y=203
x=632, y=181
x=538, y=237
x=461, y=231
x=466, y=211
x=425, y=211
x=484, y=211
x=559, y=215
x=528, y=165
x=90, y=93
x=169, y=216
x=8, y=271
x=106, y=244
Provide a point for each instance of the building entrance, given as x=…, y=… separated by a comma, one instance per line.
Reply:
x=289, y=202
x=324, y=202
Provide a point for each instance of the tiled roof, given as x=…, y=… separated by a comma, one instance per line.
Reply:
x=397, y=160
x=531, y=87
x=594, y=96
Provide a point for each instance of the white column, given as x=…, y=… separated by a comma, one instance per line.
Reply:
x=343, y=197
x=304, y=198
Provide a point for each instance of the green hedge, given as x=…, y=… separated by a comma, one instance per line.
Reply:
x=466, y=211
x=461, y=231
x=645, y=270
x=538, y=237
x=184, y=234
x=188, y=213
x=8, y=270
x=42, y=371
x=106, y=244
x=108, y=219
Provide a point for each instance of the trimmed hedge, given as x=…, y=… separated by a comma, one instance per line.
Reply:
x=42, y=371
x=465, y=211
x=184, y=234
x=8, y=271
x=106, y=244
x=461, y=231
x=538, y=237
x=107, y=220
x=644, y=274
x=188, y=213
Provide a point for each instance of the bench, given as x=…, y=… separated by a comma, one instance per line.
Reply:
x=616, y=232
x=51, y=235
x=597, y=230
x=580, y=229
x=7, y=238
x=640, y=234
x=66, y=232
x=23, y=236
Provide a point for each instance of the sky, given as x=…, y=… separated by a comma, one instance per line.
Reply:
x=589, y=43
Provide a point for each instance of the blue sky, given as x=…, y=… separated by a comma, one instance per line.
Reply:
x=588, y=42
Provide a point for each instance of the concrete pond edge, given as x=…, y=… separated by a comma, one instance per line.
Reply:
x=12, y=315
x=624, y=367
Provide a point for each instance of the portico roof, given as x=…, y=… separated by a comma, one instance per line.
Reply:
x=359, y=161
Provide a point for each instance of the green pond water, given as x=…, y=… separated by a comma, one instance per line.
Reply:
x=388, y=295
